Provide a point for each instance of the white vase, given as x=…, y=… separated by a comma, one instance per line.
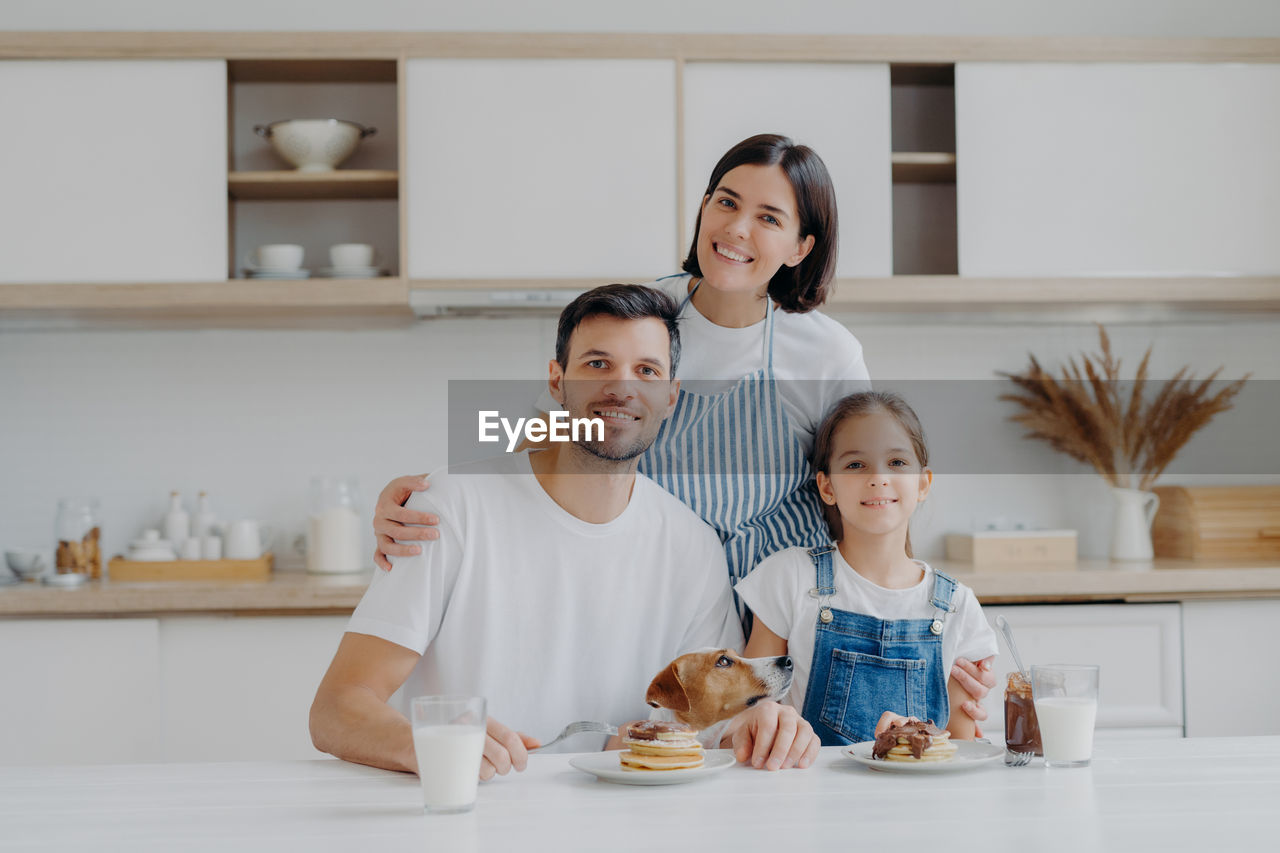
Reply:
x=1131, y=524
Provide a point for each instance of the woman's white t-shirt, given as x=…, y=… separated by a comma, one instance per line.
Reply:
x=816, y=360
x=777, y=592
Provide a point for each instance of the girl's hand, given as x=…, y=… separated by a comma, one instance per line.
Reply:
x=976, y=679
x=888, y=718
x=390, y=518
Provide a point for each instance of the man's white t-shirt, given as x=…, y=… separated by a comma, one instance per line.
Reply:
x=777, y=592
x=816, y=360
x=550, y=618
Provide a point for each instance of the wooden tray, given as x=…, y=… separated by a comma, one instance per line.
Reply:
x=132, y=571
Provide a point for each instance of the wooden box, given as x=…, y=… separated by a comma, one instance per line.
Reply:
x=1217, y=522
x=132, y=571
x=1014, y=549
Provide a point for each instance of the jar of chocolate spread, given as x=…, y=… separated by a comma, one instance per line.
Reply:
x=1021, y=731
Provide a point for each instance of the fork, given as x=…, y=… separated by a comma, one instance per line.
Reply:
x=1017, y=759
x=578, y=728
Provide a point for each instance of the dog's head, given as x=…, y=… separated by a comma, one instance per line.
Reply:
x=703, y=688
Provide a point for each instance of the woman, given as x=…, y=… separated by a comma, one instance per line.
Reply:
x=760, y=365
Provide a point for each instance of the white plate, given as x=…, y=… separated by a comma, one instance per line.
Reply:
x=970, y=755
x=292, y=274
x=351, y=272
x=604, y=765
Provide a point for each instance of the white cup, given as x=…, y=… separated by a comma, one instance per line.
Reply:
x=191, y=548
x=345, y=256
x=211, y=547
x=282, y=257
x=448, y=739
x=1066, y=700
x=243, y=540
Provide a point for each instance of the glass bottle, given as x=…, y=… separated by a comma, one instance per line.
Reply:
x=335, y=534
x=77, y=529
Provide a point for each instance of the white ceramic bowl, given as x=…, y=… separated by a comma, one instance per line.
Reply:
x=314, y=144
x=28, y=565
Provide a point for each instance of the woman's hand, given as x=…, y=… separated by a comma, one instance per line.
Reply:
x=390, y=518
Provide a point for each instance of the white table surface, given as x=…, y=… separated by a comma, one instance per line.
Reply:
x=1208, y=794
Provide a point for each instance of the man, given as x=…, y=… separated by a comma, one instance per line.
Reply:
x=561, y=582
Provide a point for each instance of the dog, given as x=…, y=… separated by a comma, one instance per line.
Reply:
x=706, y=687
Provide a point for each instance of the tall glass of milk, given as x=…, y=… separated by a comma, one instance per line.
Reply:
x=1066, y=700
x=335, y=531
x=448, y=737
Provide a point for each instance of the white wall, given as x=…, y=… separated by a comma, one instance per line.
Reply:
x=249, y=416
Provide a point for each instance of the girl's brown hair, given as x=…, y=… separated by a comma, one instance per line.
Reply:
x=856, y=405
x=803, y=287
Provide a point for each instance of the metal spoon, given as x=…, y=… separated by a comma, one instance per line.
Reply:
x=1003, y=624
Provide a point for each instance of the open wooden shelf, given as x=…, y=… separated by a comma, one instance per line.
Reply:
x=340, y=183
x=311, y=71
x=923, y=167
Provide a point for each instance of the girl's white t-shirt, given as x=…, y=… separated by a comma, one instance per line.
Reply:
x=777, y=592
x=816, y=360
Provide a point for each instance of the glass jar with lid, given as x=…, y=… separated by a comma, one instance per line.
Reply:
x=78, y=531
x=335, y=534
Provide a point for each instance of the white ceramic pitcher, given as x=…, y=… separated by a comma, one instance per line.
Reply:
x=1131, y=524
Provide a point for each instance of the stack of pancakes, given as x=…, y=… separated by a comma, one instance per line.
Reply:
x=914, y=740
x=658, y=745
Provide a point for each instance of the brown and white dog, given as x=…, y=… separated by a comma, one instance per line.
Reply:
x=703, y=688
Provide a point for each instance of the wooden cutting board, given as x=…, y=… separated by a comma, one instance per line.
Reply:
x=135, y=571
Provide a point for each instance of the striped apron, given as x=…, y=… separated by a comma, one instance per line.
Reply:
x=734, y=460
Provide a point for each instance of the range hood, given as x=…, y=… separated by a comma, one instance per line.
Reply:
x=438, y=302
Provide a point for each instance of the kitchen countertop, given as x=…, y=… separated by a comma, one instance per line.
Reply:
x=1140, y=794
x=302, y=594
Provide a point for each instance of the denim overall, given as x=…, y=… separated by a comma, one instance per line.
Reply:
x=863, y=666
x=735, y=461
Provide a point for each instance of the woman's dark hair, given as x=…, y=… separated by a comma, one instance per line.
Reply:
x=626, y=302
x=803, y=287
x=865, y=403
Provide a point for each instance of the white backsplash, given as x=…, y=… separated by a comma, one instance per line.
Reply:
x=251, y=416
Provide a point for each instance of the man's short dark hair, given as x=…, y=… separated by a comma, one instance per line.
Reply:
x=626, y=302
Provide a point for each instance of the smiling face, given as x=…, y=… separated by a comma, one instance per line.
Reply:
x=749, y=228
x=876, y=479
x=617, y=370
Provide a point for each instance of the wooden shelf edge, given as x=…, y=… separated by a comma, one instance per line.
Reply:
x=385, y=46
x=923, y=167
x=1260, y=293
x=257, y=294
x=282, y=184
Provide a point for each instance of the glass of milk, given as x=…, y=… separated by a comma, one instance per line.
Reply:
x=448, y=737
x=1066, y=700
x=335, y=531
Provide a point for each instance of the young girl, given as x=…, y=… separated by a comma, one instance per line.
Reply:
x=869, y=628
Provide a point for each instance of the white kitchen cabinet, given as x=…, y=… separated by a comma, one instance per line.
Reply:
x=841, y=110
x=1233, y=680
x=1069, y=169
x=113, y=171
x=540, y=168
x=240, y=688
x=1139, y=649
x=78, y=691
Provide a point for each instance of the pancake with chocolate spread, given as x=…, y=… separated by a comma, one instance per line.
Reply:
x=660, y=745
x=914, y=740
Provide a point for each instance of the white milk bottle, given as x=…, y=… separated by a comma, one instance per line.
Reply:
x=335, y=531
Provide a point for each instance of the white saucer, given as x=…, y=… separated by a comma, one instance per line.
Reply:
x=605, y=766
x=350, y=272
x=970, y=755
x=277, y=274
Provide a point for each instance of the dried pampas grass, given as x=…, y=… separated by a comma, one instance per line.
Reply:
x=1088, y=415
